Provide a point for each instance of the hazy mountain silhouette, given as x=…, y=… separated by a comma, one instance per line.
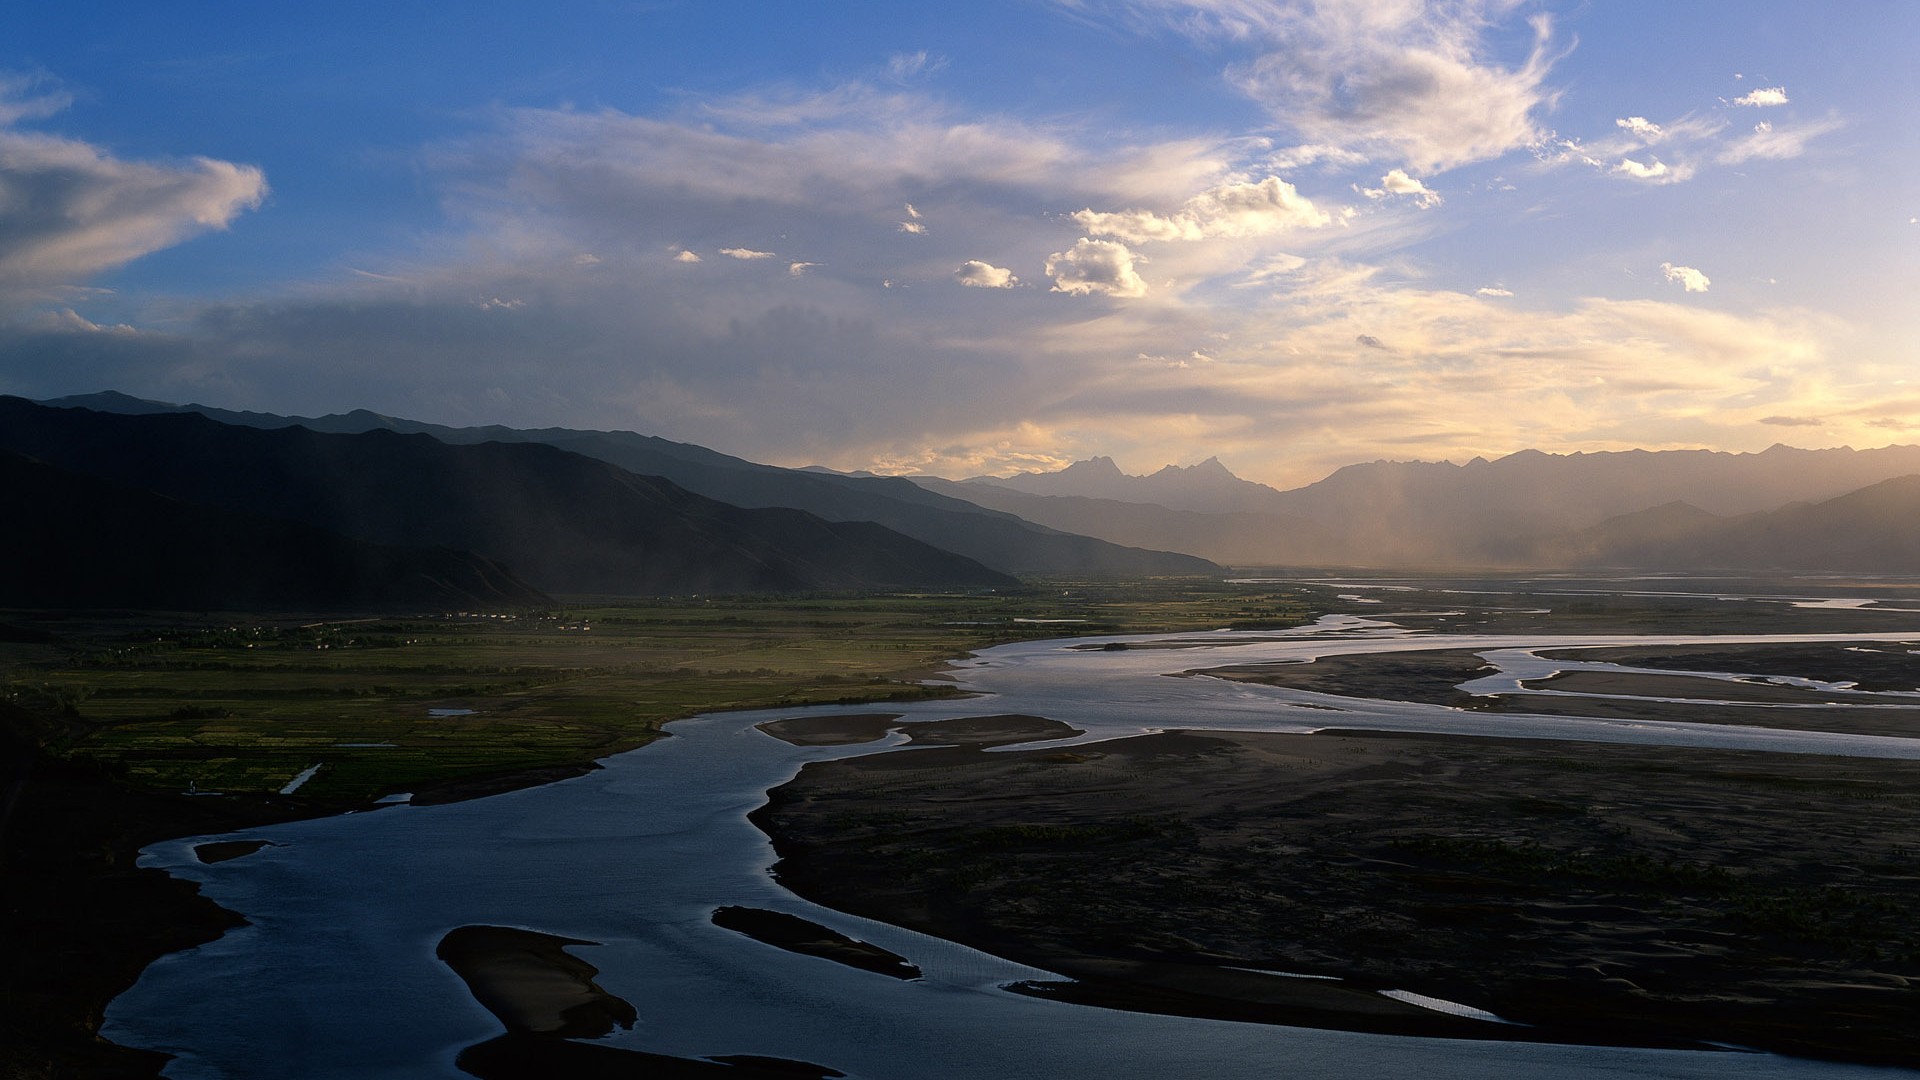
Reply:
x=564, y=522
x=1508, y=512
x=1243, y=538
x=1873, y=530
x=81, y=541
x=998, y=540
x=1208, y=487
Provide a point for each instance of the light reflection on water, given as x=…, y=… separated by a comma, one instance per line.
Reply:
x=336, y=975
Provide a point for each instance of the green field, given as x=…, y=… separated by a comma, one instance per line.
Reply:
x=246, y=704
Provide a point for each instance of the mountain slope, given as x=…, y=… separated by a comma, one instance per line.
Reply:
x=565, y=522
x=80, y=541
x=1873, y=530
x=998, y=540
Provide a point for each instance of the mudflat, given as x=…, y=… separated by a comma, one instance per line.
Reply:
x=1435, y=676
x=1598, y=893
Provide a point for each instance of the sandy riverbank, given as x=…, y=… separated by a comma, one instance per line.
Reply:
x=1612, y=894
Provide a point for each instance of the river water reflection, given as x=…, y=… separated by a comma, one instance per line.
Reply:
x=337, y=976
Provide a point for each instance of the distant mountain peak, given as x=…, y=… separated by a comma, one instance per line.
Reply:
x=1099, y=466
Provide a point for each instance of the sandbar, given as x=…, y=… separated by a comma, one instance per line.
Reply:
x=1595, y=893
x=531, y=983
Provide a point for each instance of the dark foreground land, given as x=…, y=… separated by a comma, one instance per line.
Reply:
x=1604, y=894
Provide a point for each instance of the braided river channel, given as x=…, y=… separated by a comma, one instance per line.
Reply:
x=336, y=973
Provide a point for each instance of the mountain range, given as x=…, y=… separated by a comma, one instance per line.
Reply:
x=560, y=521
x=255, y=509
x=999, y=540
x=1528, y=509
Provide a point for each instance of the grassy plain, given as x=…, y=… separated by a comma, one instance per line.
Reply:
x=244, y=705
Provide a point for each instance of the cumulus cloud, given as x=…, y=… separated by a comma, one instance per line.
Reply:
x=685, y=256
x=799, y=269
x=1397, y=182
x=745, y=253
x=913, y=227
x=1492, y=290
x=980, y=275
x=1231, y=210
x=1766, y=96
x=69, y=209
x=1095, y=266
x=1688, y=278
x=1416, y=81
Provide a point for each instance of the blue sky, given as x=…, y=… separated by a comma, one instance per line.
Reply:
x=974, y=238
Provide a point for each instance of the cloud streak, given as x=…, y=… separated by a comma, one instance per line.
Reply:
x=70, y=210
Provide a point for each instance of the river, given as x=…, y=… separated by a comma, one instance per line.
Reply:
x=336, y=975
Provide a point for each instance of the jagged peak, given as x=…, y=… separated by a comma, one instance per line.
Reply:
x=1099, y=464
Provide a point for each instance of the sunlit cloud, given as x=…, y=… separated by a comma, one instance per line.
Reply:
x=1653, y=170
x=1640, y=127
x=1096, y=266
x=70, y=209
x=1686, y=276
x=1397, y=182
x=745, y=253
x=980, y=275
x=1407, y=80
x=1767, y=96
x=1230, y=210
x=685, y=256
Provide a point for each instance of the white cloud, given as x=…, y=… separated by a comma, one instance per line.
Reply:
x=1640, y=126
x=913, y=227
x=745, y=253
x=1690, y=279
x=1299, y=157
x=69, y=209
x=1397, y=182
x=1235, y=210
x=912, y=213
x=1769, y=142
x=1771, y=95
x=1095, y=266
x=1653, y=169
x=685, y=256
x=799, y=269
x=1406, y=79
x=1492, y=290
x=979, y=275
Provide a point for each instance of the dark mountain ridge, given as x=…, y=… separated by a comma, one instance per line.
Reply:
x=81, y=541
x=998, y=540
x=565, y=522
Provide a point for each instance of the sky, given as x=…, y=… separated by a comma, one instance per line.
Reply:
x=985, y=237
